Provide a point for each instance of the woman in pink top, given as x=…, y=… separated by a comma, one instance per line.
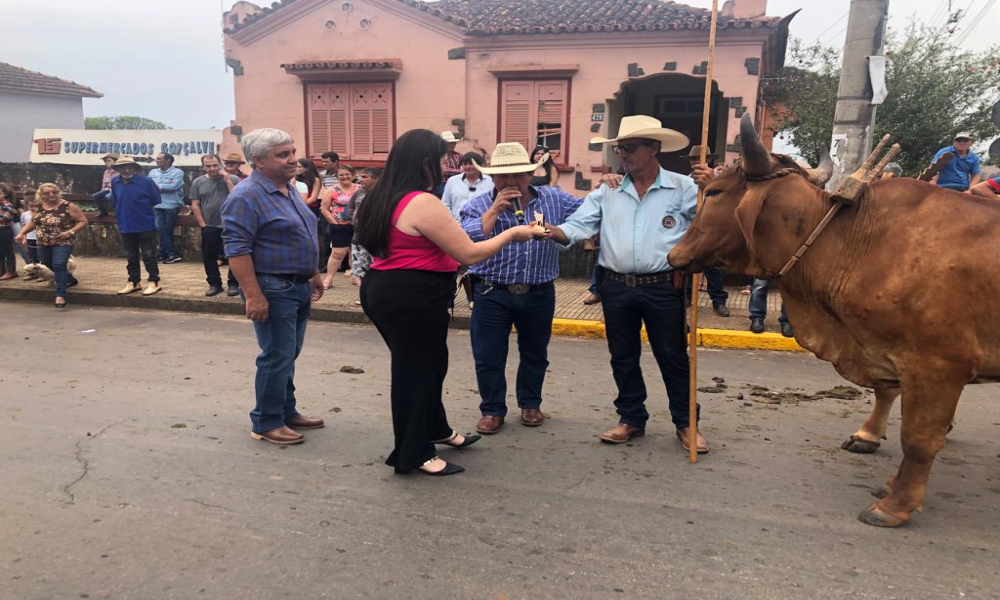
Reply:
x=417, y=246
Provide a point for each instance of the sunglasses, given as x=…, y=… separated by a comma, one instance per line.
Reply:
x=626, y=148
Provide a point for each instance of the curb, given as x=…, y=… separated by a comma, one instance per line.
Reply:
x=707, y=338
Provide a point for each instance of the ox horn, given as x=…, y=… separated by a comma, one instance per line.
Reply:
x=822, y=174
x=756, y=158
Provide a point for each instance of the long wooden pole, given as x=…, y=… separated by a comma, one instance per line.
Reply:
x=696, y=279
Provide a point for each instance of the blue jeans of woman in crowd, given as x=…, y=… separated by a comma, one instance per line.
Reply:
x=56, y=258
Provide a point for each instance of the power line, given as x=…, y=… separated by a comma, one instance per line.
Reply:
x=975, y=22
x=937, y=11
x=832, y=25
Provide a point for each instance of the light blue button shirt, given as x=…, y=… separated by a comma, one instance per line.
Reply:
x=458, y=192
x=636, y=235
x=171, y=185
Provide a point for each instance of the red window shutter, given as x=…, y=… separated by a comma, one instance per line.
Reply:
x=516, y=113
x=551, y=98
x=327, y=118
x=382, y=120
x=353, y=120
x=361, y=121
x=340, y=133
x=371, y=120
x=318, y=118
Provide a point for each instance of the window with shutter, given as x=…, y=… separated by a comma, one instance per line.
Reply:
x=535, y=112
x=353, y=120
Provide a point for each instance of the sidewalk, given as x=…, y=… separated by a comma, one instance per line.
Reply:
x=184, y=290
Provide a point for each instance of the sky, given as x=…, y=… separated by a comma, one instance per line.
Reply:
x=164, y=60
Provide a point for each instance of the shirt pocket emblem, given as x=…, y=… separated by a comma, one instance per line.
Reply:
x=669, y=222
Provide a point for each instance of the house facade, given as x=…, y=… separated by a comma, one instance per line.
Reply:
x=31, y=100
x=352, y=75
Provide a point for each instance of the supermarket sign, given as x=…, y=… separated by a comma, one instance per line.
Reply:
x=87, y=146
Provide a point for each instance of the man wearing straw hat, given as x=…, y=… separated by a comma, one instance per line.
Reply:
x=232, y=164
x=453, y=160
x=513, y=288
x=134, y=195
x=639, y=222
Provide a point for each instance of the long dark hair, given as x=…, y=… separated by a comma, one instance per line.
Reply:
x=540, y=150
x=414, y=164
x=311, y=175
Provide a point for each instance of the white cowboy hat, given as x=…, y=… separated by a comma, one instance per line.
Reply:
x=510, y=157
x=643, y=127
x=450, y=137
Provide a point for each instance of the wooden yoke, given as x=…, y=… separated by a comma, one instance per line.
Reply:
x=850, y=189
x=847, y=193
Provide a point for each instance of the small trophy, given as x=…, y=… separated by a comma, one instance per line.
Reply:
x=539, y=224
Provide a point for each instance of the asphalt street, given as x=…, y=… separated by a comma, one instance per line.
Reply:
x=129, y=473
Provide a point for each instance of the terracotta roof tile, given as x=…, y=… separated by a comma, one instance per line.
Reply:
x=25, y=81
x=527, y=17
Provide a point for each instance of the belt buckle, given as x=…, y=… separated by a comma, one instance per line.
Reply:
x=631, y=281
x=519, y=288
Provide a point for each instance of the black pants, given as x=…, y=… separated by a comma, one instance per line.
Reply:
x=142, y=244
x=7, y=247
x=211, y=248
x=410, y=310
x=661, y=308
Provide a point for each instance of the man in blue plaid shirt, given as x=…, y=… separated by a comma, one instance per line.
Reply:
x=514, y=287
x=271, y=241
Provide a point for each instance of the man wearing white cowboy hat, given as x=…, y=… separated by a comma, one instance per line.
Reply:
x=513, y=288
x=639, y=222
x=134, y=195
x=453, y=160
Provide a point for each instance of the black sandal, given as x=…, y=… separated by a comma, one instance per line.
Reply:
x=449, y=469
x=450, y=440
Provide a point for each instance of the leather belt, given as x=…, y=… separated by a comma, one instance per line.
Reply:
x=514, y=288
x=288, y=277
x=637, y=280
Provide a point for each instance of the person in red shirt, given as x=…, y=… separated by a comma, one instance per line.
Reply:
x=987, y=189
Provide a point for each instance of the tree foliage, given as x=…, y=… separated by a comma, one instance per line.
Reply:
x=935, y=90
x=123, y=122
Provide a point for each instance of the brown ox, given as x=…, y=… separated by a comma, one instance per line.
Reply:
x=891, y=292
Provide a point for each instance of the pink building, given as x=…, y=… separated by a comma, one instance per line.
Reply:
x=351, y=75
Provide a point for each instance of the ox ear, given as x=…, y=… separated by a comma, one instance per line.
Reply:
x=746, y=215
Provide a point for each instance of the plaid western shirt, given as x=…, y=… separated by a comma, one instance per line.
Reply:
x=533, y=262
x=279, y=231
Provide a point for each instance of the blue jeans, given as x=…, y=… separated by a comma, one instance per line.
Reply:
x=593, y=274
x=165, y=219
x=661, y=308
x=280, y=339
x=758, y=301
x=494, y=313
x=56, y=258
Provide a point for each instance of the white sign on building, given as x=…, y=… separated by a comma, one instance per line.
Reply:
x=87, y=146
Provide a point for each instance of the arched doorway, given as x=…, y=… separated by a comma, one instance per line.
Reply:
x=677, y=100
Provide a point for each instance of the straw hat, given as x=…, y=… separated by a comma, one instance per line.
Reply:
x=695, y=154
x=234, y=157
x=643, y=127
x=126, y=161
x=510, y=157
x=113, y=155
x=450, y=137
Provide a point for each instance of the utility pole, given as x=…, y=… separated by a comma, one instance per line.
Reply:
x=854, y=121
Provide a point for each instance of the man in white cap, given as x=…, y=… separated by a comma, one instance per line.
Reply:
x=639, y=222
x=963, y=172
x=513, y=288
